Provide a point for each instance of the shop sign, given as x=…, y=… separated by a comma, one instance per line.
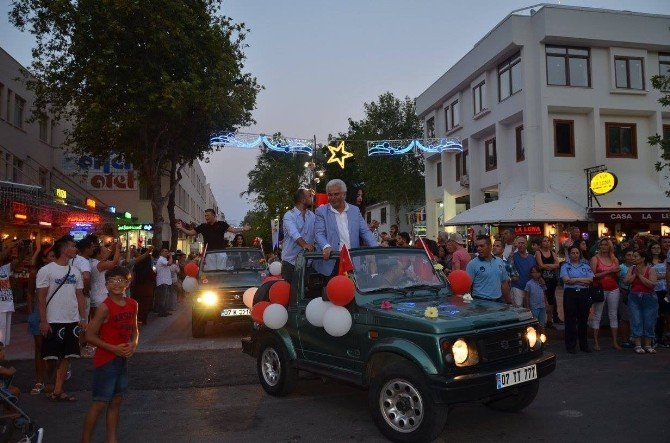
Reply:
x=90, y=203
x=61, y=193
x=603, y=183
x=82, y=217
x=631, y=215
x=136, y=227
x=110, y=174
x=528, y=230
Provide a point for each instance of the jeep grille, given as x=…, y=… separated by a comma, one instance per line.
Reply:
x=501, y=345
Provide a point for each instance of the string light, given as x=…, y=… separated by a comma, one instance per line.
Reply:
x=400, y=147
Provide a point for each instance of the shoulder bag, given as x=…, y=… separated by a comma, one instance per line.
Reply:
x=61, y=284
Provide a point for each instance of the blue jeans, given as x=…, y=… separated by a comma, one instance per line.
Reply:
x=110, y=380
x=643, y=310
x=540, y=314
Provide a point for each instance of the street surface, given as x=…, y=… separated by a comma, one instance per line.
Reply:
x=185, y=390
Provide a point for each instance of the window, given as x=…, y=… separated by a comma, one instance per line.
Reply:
x=8, y=103
x=621, y=140
x=458, y=159
x=491, y=155
x=663, y=65
x=568, y=66
x=368, y=217
x=520, y=150
x=51, y=135
x=44, y=174
x=19, y=105
x=509, y=77
x=629, y=73
x=666, y=132
x=430, y=127
x=44, y=128
x=17, y=170
x=2, y=91
x=564, y=138
x=452, y=115
x=479, y=97
x=438, y=173
x=465, y=162
x=382, y=216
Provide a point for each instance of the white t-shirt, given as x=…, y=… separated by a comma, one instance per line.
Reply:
x=6, y=295
x=342, y=226
x=163, y=273
x=63, y=307
x=81, y=263
x=98, y=287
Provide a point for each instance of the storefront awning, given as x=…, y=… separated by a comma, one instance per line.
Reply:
x=527, y=207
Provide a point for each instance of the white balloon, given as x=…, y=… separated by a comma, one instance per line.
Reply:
x=248, y=297
x=190, y=284
x=337, y=321
x=275, y=268
x=315, y=311
x=275, y=316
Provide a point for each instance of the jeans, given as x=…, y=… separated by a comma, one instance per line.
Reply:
x=612, y=301
x=540, y=314
x=163, y=293
x=643, y=310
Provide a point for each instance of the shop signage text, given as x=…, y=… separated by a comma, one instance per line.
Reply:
x=603, y=183
x=111, y=174
x=649, y=216
x=61, y=193
x=528, y=230
x=136, y=227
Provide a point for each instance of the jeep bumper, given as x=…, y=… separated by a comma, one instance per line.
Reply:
x=482, y=385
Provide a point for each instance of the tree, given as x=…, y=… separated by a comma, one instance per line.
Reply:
x=150, y=81
x=396, y=179
x=662, y=83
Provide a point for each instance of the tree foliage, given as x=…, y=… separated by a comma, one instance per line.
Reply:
x=148, y=80
x=662, y=83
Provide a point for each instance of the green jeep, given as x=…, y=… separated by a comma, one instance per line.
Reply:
x=224, y=276
x=413, y=365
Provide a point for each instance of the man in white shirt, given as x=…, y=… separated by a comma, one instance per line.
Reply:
x=62, y=311
x=164, y=281
x=7, y=266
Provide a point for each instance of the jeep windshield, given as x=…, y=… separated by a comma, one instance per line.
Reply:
x=234, y=259
x=395, y=270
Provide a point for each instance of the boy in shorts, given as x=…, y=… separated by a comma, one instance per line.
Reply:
x=113, y=330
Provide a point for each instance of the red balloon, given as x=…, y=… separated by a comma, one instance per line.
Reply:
x=460, y=282
x=271, y=278
x=340, y=290
x=280, y=292
x=191, y=269
x=257, y=311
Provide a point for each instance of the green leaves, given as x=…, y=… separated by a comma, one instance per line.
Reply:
x=662, y=83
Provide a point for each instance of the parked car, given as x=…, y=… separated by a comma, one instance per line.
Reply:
x=413, y=367
x=224, y=276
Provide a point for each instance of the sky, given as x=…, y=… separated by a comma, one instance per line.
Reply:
x=321, y=60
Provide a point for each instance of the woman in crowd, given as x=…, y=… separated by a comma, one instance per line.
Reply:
x=605, y=267
x=548, y=262
x=238, y=241
x=584, y=250
x=658, y=262
x=577, y=277
x=143, y=284
x=43, y=256
x=642, y=301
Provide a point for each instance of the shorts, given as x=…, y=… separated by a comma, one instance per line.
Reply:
x=110, y=380
x=61, y=342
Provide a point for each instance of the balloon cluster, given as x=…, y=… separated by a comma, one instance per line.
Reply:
x=332, y=315
x=273, y=313
x=190, y=283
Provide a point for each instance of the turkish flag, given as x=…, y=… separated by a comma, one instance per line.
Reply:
x=346, y=265
x=420, y=243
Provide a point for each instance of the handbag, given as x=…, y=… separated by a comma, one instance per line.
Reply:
x=596, y=294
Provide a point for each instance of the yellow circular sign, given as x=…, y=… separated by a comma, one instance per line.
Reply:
x=603, y=182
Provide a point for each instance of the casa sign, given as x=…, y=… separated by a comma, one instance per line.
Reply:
x=603, y=183
x=651, y=215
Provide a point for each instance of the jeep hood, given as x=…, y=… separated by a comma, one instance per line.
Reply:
x=454, y=315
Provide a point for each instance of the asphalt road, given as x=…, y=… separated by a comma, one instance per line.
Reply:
x=213, y=395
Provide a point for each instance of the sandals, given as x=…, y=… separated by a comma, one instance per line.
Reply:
x=639, y=350
x=62, y=397
x=37, y=389
x=650, y=350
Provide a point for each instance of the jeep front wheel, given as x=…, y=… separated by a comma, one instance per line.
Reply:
x=275, y=370
x=517, y=401
x=402, y=405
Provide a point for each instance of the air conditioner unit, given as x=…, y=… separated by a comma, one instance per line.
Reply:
x=465, y=181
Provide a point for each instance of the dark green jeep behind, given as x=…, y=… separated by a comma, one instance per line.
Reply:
x=413, y=364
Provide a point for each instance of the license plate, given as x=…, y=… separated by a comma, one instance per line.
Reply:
x=234, y=312
x=515, y=376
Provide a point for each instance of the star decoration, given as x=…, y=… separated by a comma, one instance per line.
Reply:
x=343, y=154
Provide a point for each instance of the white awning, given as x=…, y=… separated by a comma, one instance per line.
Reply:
x=527, y=207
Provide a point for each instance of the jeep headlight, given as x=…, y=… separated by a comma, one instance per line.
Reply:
x=208, y=298
x=460, y=351
x=531, y=335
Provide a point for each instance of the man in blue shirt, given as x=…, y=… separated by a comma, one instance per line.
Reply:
x=523, y=262
x=298, y=232
x=490, y=280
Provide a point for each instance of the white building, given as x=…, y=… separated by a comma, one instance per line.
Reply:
x=387, y=215
x=545, y=94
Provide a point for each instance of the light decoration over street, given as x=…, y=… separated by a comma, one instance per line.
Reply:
x=339, y=154
x=400, y=147
x=249, y=141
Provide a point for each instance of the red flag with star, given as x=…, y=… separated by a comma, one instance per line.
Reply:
x=346, y=265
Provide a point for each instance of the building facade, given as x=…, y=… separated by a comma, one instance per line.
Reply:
x=62, y=192
x=407, y=218
x=546, y=94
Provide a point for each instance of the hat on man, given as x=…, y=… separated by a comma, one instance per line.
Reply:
x=456, y=237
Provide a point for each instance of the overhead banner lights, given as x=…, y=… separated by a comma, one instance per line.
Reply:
x=248, y=141
x=400, y=147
